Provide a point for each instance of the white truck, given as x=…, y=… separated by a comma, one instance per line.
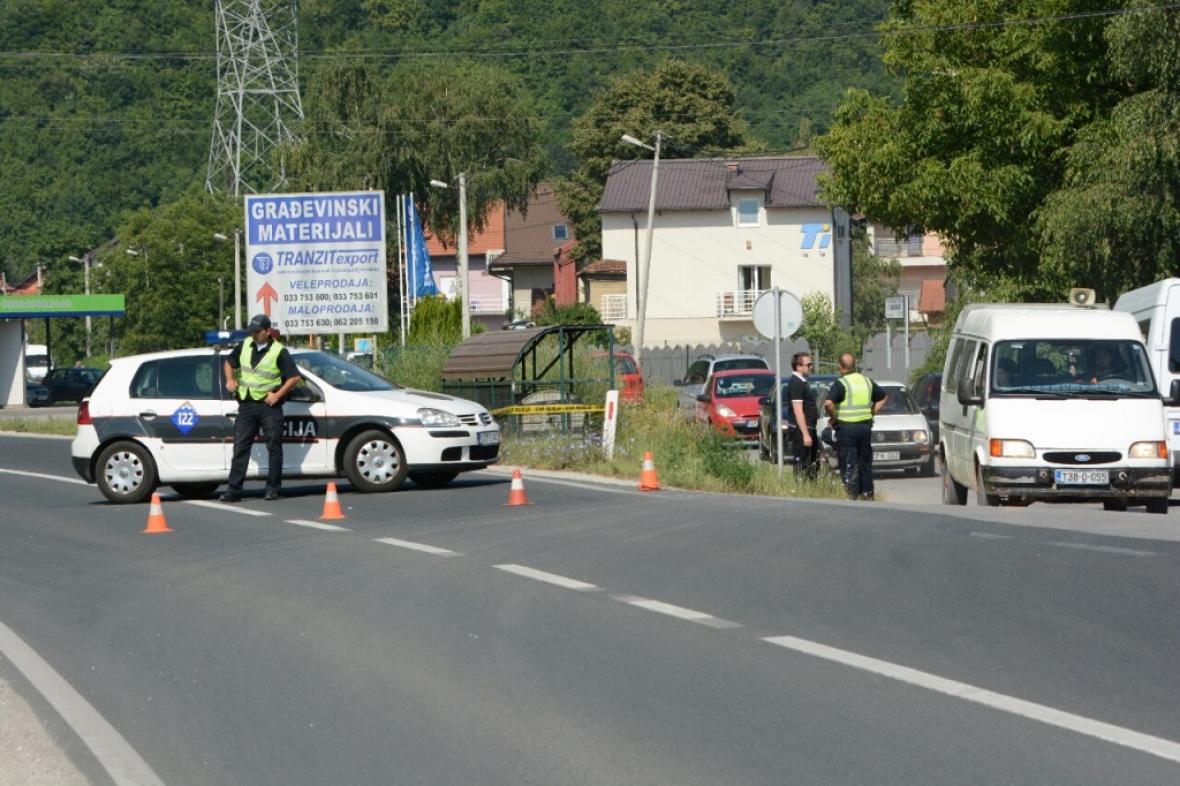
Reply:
x=36, y=361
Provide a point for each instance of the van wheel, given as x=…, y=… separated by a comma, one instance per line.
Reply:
x=982, y=498
x=1157, y=505
x=433, y=480
x=1118, y=505
x=374, y=462
x=125, y=473
x=195, y=490
x=953, y=493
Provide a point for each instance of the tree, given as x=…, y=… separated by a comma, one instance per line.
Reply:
x=170, y=282
x=692, y=105
x=425, y=121
x=821, y=329
x=1115, y=223
x=974, y=147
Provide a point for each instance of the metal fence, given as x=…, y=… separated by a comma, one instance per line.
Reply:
x=662, y=365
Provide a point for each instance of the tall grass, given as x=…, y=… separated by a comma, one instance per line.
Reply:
x=46, y=425
x=687, y=454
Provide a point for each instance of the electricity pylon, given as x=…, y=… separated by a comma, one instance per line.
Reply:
x=257, y=94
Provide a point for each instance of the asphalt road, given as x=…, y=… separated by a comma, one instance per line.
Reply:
x=598, y=636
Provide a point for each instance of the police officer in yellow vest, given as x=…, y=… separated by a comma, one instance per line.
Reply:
x=266, y=374
x=851, y=403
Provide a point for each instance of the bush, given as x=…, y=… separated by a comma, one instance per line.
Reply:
x=416, y=366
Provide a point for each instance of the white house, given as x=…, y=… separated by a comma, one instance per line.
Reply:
x=725, y=231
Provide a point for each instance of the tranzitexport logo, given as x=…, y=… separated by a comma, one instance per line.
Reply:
x=813, y=232
x=263, y=263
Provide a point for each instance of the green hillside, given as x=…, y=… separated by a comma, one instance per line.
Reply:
x=106, y=105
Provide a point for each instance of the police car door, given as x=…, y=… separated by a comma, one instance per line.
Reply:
x=177, y=403
x=305, y=449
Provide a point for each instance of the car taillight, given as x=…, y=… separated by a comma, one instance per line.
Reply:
x=84, y=414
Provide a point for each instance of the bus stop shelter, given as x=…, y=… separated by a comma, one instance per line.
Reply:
x=14, y=309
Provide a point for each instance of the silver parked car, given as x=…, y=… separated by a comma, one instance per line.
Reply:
x=901, y=435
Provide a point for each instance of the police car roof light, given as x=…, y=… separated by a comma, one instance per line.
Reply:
x=225, y=337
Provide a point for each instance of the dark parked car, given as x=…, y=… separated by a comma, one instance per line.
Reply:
x=925, y=391
x=819, y=384
x=71, y=384
x=36, y=394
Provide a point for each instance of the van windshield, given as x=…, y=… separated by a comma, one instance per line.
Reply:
x=1075, y=368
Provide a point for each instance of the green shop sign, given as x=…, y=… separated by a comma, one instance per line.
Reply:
x=29, y=306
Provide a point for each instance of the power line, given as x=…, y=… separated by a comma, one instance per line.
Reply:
x=884, y=31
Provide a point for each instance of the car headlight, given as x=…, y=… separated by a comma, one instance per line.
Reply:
x=1147, y=450
x=921, y=436
x=436, y=417
x=726, y=412
x=1012, y=448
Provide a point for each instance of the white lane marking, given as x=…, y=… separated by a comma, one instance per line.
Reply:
x=225, y=507
x=317, y=525
x=989, y=535
x=548, y=578
x=408, y=544
x=1156, y=746
x=113, y=752
x=1103, y=549
x=35, y=435
x=43, y=476
x=679, y=612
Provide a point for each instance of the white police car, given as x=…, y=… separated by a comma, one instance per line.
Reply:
x=166, y=418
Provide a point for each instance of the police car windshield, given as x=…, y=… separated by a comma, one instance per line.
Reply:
x=341, y=374
x=1072, y=368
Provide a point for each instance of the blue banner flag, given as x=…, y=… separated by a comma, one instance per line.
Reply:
x=421, y=276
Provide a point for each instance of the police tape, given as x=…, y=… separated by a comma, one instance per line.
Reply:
x=549, y=409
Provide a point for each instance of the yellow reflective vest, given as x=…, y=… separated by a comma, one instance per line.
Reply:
x=257, y=381
x=857, y=406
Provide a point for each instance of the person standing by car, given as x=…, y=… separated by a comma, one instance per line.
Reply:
x=802, y=416
x=852, y=401
x=267, y=374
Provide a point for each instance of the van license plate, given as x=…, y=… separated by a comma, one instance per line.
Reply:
x=1081, y=477
x=886, y=455
x=488, y=437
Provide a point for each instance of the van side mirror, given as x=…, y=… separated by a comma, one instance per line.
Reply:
x=965, y=392
x=1173, y=399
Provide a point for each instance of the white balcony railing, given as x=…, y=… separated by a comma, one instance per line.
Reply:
x=614, y=308
x=737, y=303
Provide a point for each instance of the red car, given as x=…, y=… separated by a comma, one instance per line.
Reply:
x=627, y=377
x=730, y=402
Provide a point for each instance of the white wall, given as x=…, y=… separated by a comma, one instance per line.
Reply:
x=696, y=254
x=12, y=363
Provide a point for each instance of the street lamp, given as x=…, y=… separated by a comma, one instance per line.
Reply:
x=463, y=282
x=645, y=271
x=237, y=274
x=85, y=261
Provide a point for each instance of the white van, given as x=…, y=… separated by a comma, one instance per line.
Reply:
x=1157, y=310
x=36, y=361
x=1052, y=403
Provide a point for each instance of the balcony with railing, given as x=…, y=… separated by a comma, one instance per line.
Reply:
x=737, y=303
x=614, y=308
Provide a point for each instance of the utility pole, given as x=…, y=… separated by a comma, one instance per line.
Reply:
x=464, y=284
x=645, y=271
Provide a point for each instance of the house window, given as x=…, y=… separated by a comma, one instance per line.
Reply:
x=748, y=212
x=561, y=232
x=753, y=277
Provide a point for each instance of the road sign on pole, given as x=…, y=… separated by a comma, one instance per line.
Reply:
x=316, y=262
x=778, y=314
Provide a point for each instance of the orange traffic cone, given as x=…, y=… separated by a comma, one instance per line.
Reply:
x=647, y=478
x=332, y=511
x=516, y=495
x=156, y=523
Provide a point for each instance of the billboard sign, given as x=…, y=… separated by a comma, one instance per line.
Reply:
x=315, y=263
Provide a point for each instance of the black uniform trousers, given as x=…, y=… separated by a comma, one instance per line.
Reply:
x=804, y=458
x=854, y=444
x=253, y=415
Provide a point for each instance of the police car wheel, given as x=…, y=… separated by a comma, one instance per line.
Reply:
x=433, y=480
x=195, y=490
x=375, y=462
x=126, y=473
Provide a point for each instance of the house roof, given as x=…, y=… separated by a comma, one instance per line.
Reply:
x=604, y=268
x=529, y=236
x=704, y=184
x=490, y=239
x=932, y=298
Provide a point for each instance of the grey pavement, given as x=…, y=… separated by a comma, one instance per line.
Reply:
x=598, y=636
